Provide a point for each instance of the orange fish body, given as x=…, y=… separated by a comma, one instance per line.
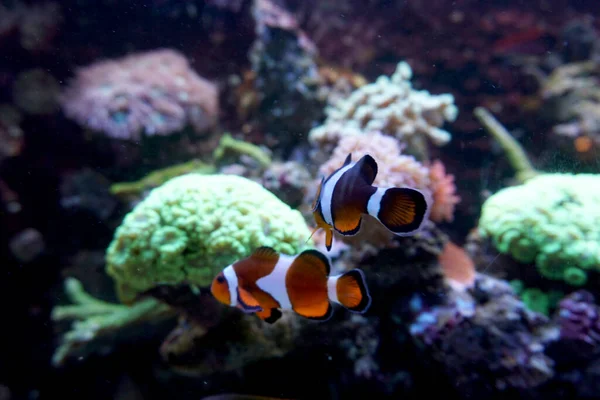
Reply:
x=348, y=193
x=267, y=282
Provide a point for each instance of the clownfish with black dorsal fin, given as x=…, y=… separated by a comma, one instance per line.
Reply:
x=348, y=193
x=267, y=282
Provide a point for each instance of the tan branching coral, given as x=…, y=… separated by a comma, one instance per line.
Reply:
x=393, y=107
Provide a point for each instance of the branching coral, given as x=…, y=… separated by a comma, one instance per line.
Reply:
x=152, y=93
x=391, y=106
x=573, y=99
x=99, y=322
x=157, y=178
x=193, y=226
x=228, y=144
x=517, y=157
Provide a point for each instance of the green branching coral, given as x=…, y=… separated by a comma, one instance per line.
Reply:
x=195, y=225
x=552, y=220
x=229, y=145
x=157, y=178
x=100, y=324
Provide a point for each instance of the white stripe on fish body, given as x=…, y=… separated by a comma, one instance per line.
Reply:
x=327, y=194
x=274, y=283
x=232, y=282
x=374, y=204
x=332, y=288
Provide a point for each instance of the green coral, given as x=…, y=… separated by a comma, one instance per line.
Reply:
x=99, y=324
x=239, y=147
x=193, y=226
x=514, y=152
x=536, y=299
x=552, y=220
x=157, y=178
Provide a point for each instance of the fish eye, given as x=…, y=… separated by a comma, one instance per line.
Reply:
x=220, y=279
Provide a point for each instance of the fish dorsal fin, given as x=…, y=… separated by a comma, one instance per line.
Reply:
x=317, y=200
x=265, y=253
x=247, y=302
x=314, y=259
x=367, y=169
x=348, y=159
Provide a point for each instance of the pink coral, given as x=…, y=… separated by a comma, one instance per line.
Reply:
x=444, y=193
x=395, y=169
x=155, y=92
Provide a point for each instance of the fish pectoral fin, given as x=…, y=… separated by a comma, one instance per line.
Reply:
x=328, y=239
x=348, y=220
x=247, y=302
x=269, y=315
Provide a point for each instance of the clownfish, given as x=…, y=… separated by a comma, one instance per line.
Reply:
x=348, y=193
x=267, y=282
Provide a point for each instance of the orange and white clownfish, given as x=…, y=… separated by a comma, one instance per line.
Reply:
x=267, y=282
x=348, y=193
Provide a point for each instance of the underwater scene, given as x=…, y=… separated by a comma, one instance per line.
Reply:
x=299, y=199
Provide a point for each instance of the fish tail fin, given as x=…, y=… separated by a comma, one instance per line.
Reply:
x=350, y=290
x=401, y=210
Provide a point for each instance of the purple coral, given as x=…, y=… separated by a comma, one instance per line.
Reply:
x=485, y=337
x=155, y=92
x=579, y=318
x=433, y=323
